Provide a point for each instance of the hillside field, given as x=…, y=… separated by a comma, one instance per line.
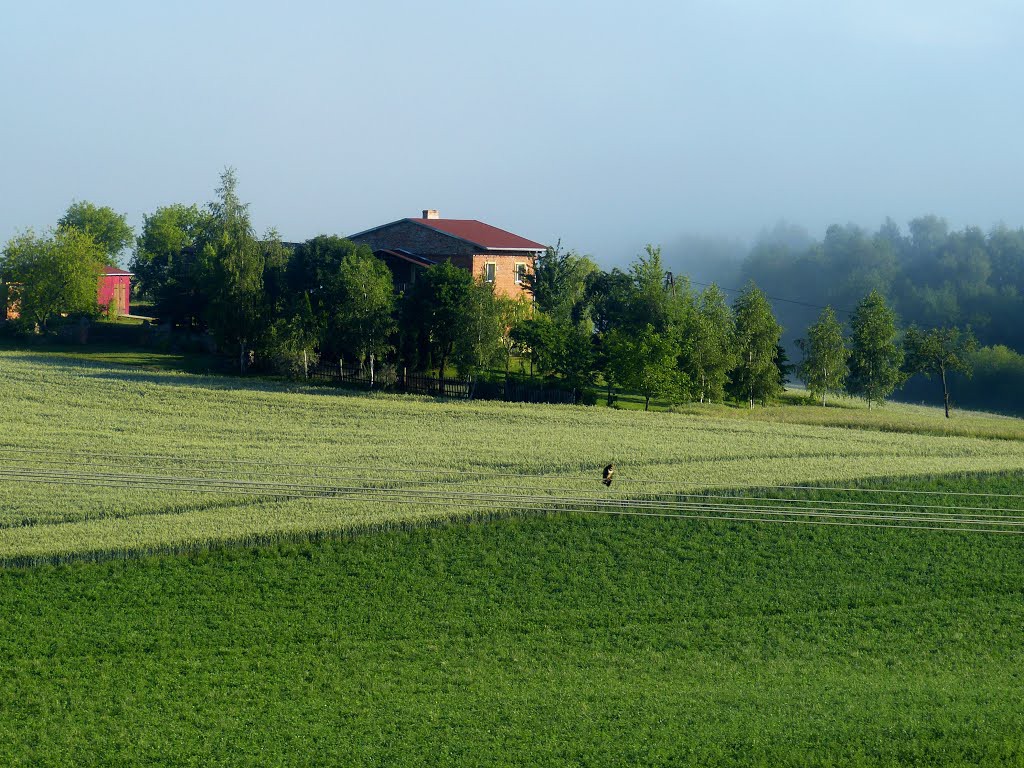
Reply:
x=175, y=591
x=88, y=430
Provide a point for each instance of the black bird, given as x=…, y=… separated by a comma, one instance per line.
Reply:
x=606, y=476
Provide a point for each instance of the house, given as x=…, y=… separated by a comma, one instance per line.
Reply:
x=9, y=300
x=114, y=290
x=408, y=246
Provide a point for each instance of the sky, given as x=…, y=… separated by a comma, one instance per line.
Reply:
x=603, y=125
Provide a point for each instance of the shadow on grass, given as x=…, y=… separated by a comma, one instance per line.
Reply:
x=165, y=373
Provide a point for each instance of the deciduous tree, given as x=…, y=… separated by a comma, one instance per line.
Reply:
x=755, y=343
x=108, y=228
x=823, y=368
x=166, y=263
x=875, y=358
x=54, y=274
x=938, y=351
x=711, y=355
x=234, y=261
x=364, y=316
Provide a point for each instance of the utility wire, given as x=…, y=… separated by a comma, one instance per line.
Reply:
x=425, y=497
x=776, y=298
x=487, y=474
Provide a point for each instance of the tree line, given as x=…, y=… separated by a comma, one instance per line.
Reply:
x=285, y=307
x=929, y=274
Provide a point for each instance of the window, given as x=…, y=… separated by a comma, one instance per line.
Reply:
x=489, y=269
x=520, y=273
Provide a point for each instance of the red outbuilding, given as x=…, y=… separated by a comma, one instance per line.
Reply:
x=115, y=288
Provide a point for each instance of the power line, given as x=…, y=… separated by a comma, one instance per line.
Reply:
x=777, y=298
x=261, y=466
x=952, y=519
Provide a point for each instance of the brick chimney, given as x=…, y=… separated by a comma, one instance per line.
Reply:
x=429, y=213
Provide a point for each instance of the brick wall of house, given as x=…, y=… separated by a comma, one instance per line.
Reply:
x=416, y=238
x=504, y=270
x=407, y=235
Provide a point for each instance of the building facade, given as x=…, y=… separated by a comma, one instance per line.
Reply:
x=492, y=254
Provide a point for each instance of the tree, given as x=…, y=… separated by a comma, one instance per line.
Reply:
x=560, y=347
x=710, y=353
x=364, y=316
x=823, y=368
x=54, y=274
x=646, y=361
x=511, y=313
x=755, y=343
x=436, y=309
x=108, y=228
x=481, y=346
x=875, y=358
x=558, y=281
x=166, y=264
x=291, y=342
x=234, y=261
x=938, y=350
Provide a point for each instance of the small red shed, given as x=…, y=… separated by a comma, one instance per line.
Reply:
x=115, y=288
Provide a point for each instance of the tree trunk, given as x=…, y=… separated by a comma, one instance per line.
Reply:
x=371, y=370
x=945, y=389
x=647, y=402
x=243, y=357
x=305, y=363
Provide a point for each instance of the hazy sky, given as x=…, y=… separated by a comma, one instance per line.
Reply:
x=607, y=125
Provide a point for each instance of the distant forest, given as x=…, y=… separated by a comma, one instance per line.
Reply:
x=930, y=275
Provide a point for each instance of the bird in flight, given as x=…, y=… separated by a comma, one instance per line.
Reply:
x=606, y=476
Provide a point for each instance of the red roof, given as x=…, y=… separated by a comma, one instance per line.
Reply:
x=111, y=271
x=483, y=235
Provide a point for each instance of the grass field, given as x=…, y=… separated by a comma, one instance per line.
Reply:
x=549, y=641
x=247, y=626
x=68, y=416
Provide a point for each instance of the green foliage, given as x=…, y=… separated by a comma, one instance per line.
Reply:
x=314, y=270
x=939, y=351
x=480, y=346
x=875, y=358
x=291, y=342
x=511, y=314
x=435, y=313
x=558, y=282
x=711, y=354
x=363, y=316
x=234, y=261
x=756, y=376
x=558, y=346
x=166, y=264
x=823, y=368
x=932, y=276
x=647, y=362
x=108, y=228
x=56, y=273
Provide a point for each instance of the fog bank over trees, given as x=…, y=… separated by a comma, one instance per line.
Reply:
x=930, y=274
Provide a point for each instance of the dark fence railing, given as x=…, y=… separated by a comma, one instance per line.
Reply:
x=388, y=378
